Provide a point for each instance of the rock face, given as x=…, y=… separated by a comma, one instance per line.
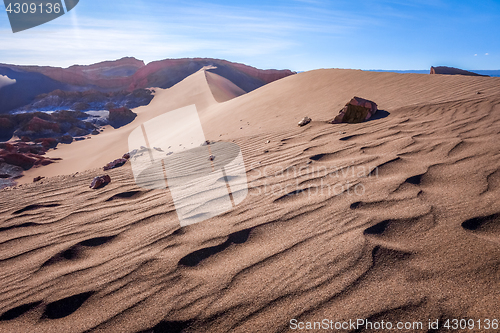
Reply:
x=7, y=128
x=452, y=71
x=24, y=155
x=121, y=82
x=356, y=110
x=47, y=143
x=121, y=116
x=38, y=125
x=89, y=100
x=15, y=157
x=8, y=174
x=100, y=181
x=115, y=164
x=107, y=74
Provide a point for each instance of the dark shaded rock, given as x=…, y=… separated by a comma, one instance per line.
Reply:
x=8, y=147
x=95, y=132
x=100, y=181
x=10, y=171
x=47, y=143
x=67, y=139
x=115, y=164
x=38, y=127
x=77, y=131
x=7, y=128
x=25, y=139
x=356, y=110
x=452, y=71
x=37, y=179
x=121, y=116
x=126, y=156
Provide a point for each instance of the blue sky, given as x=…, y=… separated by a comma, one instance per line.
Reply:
x=296, y=34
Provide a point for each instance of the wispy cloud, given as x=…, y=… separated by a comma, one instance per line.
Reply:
x=200, y=30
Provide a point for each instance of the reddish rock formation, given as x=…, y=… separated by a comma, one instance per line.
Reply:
x=130, y=73
x=20, y=160
x=115, y=164
x=355, y=111
x=100, y=181
x=107, y=79
x=107, y=74
x=47, y=143
x=38, y=127
x=452, y=71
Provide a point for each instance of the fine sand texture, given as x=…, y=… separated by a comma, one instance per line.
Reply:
x=395, y=219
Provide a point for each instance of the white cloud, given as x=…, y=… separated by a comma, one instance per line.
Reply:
x=486, y=54
x=199, y=30
x=5, y=81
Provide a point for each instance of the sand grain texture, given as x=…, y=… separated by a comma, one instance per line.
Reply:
x=420, y=241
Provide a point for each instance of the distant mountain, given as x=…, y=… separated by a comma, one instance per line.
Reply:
x=126, y=74
x=426, y=71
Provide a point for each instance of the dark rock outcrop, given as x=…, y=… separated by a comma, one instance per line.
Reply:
x=7, y=128
x=10, y=171
x=67, y=139
x=37, y=125
x=356, y=110
x=47, y=143
x=115, y=164
x=452, y=71
x=20, y=160
x=121, y=116
x=100, y=181
x=89, y=100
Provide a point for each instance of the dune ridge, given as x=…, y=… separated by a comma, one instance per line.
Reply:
x=419, y=242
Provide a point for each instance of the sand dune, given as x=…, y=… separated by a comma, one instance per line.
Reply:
x=395, y=219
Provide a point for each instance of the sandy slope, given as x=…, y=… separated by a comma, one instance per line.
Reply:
x=113, y=143
x=399, y=220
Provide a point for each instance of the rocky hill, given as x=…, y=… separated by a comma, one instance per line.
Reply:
x=125, y=75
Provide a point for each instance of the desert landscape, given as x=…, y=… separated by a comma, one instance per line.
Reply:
x=394, y=219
